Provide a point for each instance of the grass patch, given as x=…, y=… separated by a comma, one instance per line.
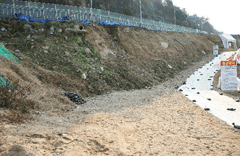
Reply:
x=107, y=73
x=79, y=39
x=95, y=53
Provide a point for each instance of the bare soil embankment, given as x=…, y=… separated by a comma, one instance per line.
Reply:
x=132, y=58
x=155, y=121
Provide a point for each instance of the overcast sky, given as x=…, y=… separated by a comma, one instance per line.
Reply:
x=224, y=15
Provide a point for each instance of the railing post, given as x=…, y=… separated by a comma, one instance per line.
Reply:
x=55, y=9
x=43, y=11
x=13, y=6
x=80, y=13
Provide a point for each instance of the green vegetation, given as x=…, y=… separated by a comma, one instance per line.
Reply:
x=95, y=53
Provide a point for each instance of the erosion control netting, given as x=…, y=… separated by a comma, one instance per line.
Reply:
x=3, y=82
x=6, y=53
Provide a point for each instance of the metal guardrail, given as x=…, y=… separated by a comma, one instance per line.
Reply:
x=55, y=12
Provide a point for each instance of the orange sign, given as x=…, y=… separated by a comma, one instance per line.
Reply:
x=228, y=63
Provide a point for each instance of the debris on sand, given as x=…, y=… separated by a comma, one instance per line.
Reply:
x=75, y=97
x=231, y=109
x=207, y=109
x=235, y=126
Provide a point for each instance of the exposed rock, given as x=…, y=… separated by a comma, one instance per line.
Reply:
x=164, y=45
x=67, y=53
x=107, y=53
x=45, y=47
x=3, y=29
x=27, y=27
x=52, y=28
x=65, y=37
x=69, y=30
x=64, y=136
x=28, y=37
x=50, y=32
x=84, y=76
x=59, y=30
x=41, y=30
x=87, y=50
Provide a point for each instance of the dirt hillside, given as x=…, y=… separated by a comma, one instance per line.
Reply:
x=130, y=58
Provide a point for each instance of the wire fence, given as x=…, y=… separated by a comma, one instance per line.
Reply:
x=55, y=12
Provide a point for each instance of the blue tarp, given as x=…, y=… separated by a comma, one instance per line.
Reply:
x=64, y=18
x=22, y=17
x=85, y=22
x=104, y=22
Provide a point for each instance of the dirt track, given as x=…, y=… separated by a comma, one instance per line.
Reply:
x=156, y=121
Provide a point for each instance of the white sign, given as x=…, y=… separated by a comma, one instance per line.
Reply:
x=229, y=76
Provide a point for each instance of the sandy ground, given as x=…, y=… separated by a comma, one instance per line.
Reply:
x=153, y=121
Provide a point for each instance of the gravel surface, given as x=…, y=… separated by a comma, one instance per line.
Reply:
x=116, y=101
